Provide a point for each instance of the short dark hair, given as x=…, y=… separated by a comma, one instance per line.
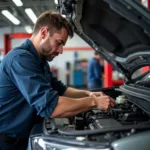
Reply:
x=96, y=53
x=54, y=21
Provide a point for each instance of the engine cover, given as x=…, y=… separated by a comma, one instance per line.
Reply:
x=103, y=123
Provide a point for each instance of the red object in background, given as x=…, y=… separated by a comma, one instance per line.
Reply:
x=20, y=35
x=107, y=75
x=9, y=37
x=7, y=44
x=144, y=69
x=119, y=82
x=108, y=81
x=148, y=3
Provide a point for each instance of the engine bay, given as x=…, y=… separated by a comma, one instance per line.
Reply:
x=124, y=120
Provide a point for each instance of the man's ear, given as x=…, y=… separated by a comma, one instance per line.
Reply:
x=43, y=32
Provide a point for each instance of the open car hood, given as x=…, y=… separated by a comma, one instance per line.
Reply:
x=118, y=29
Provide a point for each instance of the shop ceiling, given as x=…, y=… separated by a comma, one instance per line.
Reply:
x=38, y=6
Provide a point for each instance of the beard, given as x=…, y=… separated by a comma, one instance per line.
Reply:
x=46, y=55
x=46, y=51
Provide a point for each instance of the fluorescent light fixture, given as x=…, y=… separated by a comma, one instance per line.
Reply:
x=64, y=16
x=12, y=18
x=18, y=2
x=31, y=14
x=56, y=2
x=28, y=29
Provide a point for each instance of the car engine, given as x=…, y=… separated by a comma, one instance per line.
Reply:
x=125, y=119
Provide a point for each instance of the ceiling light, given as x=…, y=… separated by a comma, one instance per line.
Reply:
x=28, y=29
x=56, y=2
x=18, y=2
x=31, y=14
x=12, y=18
x=64, y=16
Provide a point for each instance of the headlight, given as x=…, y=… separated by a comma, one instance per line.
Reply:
x=47, y=144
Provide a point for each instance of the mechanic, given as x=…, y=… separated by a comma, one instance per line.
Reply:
x=29, y=90
x=95, y=72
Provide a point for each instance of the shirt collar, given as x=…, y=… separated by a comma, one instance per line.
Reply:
x=31, y=48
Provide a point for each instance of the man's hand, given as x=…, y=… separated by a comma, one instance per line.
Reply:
x=104, y=102
x=101, y=95
x=93, y=94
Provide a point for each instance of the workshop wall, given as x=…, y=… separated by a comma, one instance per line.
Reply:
x=8, y=31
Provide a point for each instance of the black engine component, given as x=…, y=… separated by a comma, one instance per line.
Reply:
x=66, y=6
x=103, y=123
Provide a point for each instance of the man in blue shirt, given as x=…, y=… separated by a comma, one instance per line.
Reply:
x=29, y=90
x=95, y=72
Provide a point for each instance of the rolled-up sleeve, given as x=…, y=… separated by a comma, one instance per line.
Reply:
x=58, y=85
x=30, y=81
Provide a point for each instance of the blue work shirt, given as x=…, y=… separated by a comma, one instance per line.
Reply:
x=27, y=89
x=95, y=71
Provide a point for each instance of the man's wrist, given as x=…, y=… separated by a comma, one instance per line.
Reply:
x=93, y=100
x=88, y=93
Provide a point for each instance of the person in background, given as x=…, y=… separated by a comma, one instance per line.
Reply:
x=95, y=72
x=29, y=90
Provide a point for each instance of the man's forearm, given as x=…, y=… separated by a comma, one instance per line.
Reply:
x=75, y=93
x=68, y=107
